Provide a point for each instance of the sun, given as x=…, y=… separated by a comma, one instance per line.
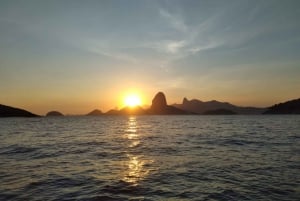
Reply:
x=132, y=100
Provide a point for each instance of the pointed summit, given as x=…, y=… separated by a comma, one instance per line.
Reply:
x=185, y=100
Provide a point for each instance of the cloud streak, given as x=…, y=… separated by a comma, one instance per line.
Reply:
x=176, y=22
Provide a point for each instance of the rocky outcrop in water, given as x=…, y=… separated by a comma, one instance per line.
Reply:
x=7, y=111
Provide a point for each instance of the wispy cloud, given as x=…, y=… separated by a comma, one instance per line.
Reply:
x=191, y=40
x=117, y=55
x=174, y=46
x=208, y=45
x=103, y=48
x=175, y=21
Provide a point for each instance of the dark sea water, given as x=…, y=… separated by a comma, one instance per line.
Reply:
x=150, y=158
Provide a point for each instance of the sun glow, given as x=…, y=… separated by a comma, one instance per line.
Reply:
x=132, y=100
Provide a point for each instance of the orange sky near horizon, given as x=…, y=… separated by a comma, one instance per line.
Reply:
x=79, y=106
x=88, y=55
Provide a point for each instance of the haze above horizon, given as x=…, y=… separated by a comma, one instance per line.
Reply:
x=76, y=56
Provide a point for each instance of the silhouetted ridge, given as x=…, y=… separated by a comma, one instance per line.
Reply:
x=112, y=112
x=7, y=111
x=95, y=113
x=200, y=107
x=159, y=107
x=289, y=107
x=137, y=110
x=54, y=114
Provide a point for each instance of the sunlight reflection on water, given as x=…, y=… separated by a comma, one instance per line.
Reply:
x=150, y=158
x=136, y=169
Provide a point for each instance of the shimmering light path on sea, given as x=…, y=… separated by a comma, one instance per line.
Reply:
x=150, y=158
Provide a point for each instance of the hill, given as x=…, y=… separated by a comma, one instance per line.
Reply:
x=95, y=113
x=54, y=114
x=137, y=110
x=7, y=111
x=200, y=107
x=289, y=107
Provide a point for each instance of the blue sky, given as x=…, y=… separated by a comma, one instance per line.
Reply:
x=75, y=56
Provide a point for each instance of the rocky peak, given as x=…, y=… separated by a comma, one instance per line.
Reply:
x=159, y=101
x=185, y=101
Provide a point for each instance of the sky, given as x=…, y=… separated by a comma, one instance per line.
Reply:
x=76, y=56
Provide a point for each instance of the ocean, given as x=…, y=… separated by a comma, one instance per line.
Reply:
x=232, y=157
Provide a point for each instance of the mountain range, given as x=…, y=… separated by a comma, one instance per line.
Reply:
x=201, y=107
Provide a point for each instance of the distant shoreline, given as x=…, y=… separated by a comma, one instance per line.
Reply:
x=160, y=107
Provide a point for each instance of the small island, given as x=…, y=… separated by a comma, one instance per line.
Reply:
x=54, y=114
x=95, y=112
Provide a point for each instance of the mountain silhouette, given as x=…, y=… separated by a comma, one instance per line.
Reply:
x=128, y=110
x=54, y=114
x=289, y=107
x=7, y=111
x=201, y=107
x=159, y=101
x=159, y=106
x=95, y=112
x=112, y=112
x=136, y=110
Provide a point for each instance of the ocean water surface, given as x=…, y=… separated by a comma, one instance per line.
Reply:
x=150, y=158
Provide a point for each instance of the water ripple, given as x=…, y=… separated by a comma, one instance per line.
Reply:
x=150, y=158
